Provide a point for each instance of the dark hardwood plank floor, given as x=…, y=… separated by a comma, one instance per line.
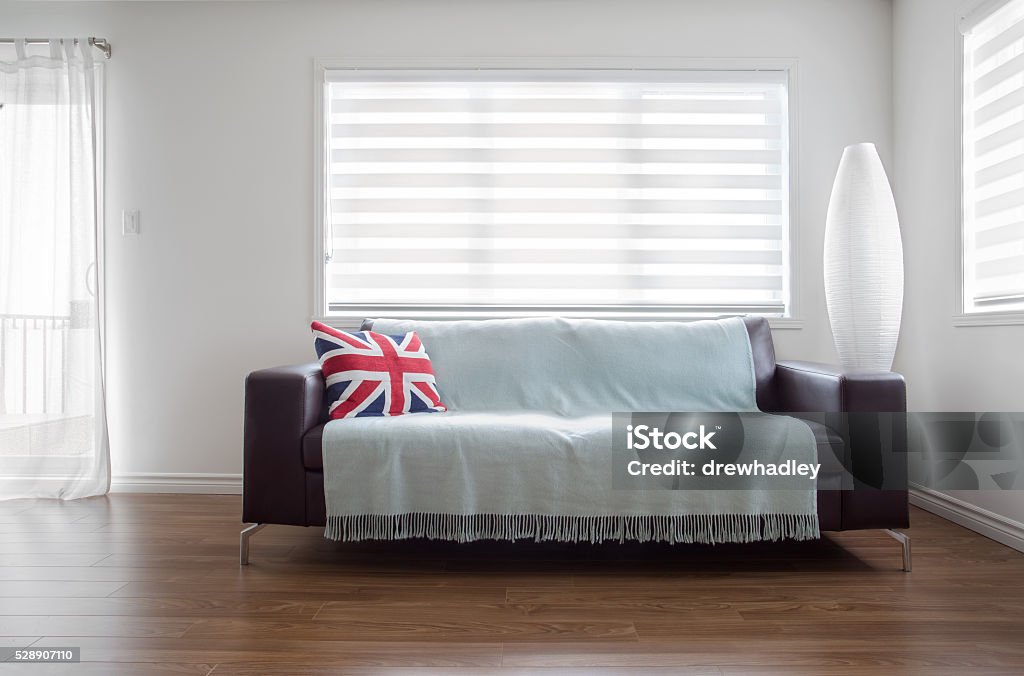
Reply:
x=150, y=584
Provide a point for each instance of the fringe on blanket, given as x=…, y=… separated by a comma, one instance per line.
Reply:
x=688, y=528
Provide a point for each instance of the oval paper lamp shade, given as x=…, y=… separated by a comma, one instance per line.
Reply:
x=863, y=262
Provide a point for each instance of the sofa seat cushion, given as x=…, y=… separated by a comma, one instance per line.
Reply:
x=484, y=475
x=462, y=427
x=454, y=457
x=829, y=443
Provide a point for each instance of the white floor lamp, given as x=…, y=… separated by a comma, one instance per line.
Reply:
x=863, y=262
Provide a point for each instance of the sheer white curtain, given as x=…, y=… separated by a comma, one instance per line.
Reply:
x=53, y=431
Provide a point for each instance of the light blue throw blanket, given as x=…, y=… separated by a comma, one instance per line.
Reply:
x=525, y=450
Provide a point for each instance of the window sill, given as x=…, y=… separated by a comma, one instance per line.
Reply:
x=988, y=319
x=352, y=321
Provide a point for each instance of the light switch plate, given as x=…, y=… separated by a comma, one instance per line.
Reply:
x=130, y=222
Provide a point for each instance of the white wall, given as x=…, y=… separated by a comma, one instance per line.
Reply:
x=209, y=133
x=947, y=368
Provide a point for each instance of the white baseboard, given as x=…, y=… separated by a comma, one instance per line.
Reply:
x=140, y=482
x=995, y=526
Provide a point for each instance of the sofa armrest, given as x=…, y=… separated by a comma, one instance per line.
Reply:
x=850, y=402
x=807, y=386
x=281, y=405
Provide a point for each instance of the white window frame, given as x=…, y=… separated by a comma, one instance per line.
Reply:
x=970, y=15
x=323, y=66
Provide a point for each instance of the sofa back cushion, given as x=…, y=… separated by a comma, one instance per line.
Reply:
x=585, y=366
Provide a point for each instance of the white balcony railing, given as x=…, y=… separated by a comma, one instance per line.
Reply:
x=33, y=361
x=46, y=410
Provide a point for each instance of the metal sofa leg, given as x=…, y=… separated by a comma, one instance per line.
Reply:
x=243, y=542
x=904, y=541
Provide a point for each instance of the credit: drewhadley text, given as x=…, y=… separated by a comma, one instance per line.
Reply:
x=715, y=468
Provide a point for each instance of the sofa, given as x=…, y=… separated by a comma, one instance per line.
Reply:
x=285, y=414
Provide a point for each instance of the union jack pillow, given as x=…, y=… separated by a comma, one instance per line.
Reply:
x=370, y=374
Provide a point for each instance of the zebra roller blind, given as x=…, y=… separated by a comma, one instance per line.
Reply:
x=993, y=159
x=533, y=191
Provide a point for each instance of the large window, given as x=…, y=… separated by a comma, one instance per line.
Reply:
x=597, y=192
x=993, y=158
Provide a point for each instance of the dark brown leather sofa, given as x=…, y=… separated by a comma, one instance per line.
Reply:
x=285, y=414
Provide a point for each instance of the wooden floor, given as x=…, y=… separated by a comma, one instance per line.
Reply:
x=150, y=584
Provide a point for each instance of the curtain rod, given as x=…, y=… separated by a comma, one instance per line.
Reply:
x=99, y=43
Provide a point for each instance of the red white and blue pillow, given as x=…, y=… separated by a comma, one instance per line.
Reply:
x=370, y=374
